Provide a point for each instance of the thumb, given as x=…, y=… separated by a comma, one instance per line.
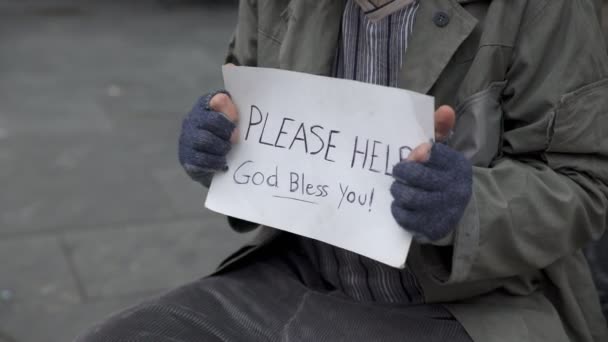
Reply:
x=223, y=103
x=445, y=119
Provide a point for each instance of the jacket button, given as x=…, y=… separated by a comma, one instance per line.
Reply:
x=441, y=19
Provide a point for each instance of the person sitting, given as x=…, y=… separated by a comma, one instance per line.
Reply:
x=500, y=206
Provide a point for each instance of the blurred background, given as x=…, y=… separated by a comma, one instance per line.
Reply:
x=95, y=211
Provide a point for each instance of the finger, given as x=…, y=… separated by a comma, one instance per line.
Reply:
x=445, y=119
x=198, y=173
x=205, y=161
x=421, y=153
x=414, y=198
x=215, y=122
x=207, y=142
x=406, y=218
x=222, y=103
x=420, y=176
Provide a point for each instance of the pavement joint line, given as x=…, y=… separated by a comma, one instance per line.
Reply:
x=53, y=231
x=67, y=254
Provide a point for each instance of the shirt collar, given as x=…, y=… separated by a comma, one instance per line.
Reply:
x=378, y=9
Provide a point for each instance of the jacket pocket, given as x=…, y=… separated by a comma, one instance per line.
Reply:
x=580, y=121
x=479, y=125
x=576, y=136
x=268, y=50
x=270, y=38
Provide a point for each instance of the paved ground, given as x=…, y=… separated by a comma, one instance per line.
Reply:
x=95, y=213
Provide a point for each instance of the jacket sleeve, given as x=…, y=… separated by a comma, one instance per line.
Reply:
x=547, y=195
x=242, y=49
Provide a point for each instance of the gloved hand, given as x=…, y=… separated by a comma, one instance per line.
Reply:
x=430, y=196
x=206, y=134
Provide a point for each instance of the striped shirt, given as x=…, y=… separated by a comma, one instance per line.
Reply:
x=369, y=51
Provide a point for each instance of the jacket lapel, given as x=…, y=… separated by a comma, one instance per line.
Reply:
x=312, y=35
x=431, y=47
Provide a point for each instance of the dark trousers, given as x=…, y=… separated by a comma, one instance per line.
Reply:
x=276, y=297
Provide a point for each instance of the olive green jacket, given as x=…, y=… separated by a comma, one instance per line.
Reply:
x=529, y=81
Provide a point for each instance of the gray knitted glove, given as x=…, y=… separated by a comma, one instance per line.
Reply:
x=430, y=197
x=205, y=141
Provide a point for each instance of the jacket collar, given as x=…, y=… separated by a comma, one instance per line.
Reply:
x=316, y=24
x=431, y=47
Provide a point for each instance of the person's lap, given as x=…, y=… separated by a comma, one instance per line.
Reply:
x=272, y=299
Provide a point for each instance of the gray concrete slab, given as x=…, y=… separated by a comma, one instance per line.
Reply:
x=75, y=182
x=33, y=270
x=70, y=75
x=95, y=212
x=187, y=200
x=85, y=88
x=131, y=259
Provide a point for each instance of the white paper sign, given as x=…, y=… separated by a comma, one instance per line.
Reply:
x=315, y=157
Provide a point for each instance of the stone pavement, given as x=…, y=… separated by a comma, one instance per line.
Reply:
x=95, y=212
